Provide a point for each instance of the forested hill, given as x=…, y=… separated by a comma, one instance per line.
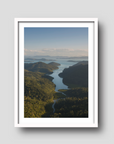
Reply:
x=76, y=75
x=42, y=67
x=81, y=63
x=38, y=93
x=54, y=64
x=36, y=86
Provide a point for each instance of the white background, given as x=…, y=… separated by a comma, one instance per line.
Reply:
x=68, y=9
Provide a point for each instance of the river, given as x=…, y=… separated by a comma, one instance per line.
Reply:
x=58, y=81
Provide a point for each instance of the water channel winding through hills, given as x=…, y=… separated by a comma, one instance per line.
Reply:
x=58, y=81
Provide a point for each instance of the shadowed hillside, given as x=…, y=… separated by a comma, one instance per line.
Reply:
x=76, y=75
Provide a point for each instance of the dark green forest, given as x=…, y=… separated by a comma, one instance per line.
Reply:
x=76, y=75
x=74, y=105
x=71, y=107
x=39, y=91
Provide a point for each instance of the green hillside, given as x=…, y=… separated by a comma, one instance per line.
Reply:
x=38, y=92
x=41, y=67
x=74, y=105
x=76, y=75
x=54, y=64
x=37, y=86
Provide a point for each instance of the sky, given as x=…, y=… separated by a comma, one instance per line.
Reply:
x=56, y=41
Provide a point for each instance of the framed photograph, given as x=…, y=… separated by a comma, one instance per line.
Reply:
x=56, y=72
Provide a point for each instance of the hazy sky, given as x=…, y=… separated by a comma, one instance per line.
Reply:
x=56, y=41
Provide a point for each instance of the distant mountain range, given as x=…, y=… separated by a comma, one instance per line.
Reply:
x=83, y=57
x=55, y=57
x=42, y=59
x=73, y=61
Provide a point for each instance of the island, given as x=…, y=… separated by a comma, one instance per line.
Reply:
x=72, y=61
x=41, y=59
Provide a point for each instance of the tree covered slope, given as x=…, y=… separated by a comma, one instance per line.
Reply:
x=76, y=75
x=41, y=67
x=38, y=92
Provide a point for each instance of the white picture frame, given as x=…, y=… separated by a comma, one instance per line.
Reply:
x=92, y=121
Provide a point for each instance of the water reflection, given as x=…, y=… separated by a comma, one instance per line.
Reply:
x=58, y=81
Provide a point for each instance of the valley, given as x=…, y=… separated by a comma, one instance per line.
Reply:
x=46, y=96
